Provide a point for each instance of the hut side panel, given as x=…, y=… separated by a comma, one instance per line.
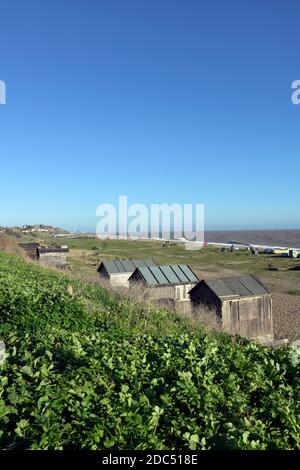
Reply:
x=250, y=317
x=53, y=259
x=120, y=280
x=244, y=307
x=227, y=317
x=234, y=317
x=165, y=297
x=115, y=279
x=162, y=292
x=178, y=293
x=183, y=306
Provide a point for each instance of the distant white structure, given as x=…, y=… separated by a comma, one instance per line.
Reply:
x=34, y=228
x=194, y=245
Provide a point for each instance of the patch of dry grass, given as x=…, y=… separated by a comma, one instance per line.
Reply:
x=11, y=246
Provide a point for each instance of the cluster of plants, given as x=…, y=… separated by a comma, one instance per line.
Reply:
x=87, y=370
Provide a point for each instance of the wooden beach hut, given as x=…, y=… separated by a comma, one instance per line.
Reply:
x=243, y=303
x=117, y=272
x=53, y=256
x=169, y=285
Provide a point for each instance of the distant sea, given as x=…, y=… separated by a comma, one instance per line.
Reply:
x=285, y=238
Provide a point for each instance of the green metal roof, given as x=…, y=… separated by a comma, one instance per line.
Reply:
x=124, y=265
x=148, y=276
x=167, y=275
x=236, y=286
x=188, y=272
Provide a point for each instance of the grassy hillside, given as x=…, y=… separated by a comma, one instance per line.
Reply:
x=88, y=370
x=86, y=253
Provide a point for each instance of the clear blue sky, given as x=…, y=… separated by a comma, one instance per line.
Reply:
x=163, y=100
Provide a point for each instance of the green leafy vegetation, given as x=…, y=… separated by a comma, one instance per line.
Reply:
x=85, y=369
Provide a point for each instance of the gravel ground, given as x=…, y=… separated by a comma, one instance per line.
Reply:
x=286, y=316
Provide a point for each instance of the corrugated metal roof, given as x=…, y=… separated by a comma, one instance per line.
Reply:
x=109, y=266
x=255, y=285
x=124, y=265
x=238, y=286
x=168, y=275
x=121, y=268
x=179, y=273
x=159, y=275
x=148, y=276
x=219, y=287
x=55, y=249
x=188, y=272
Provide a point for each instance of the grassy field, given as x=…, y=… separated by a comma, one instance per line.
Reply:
x=86, y=254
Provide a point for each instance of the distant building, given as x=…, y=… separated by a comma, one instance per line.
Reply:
x=53, y=256
x=119, y=271
x=34, y=228
x=169, y=285
x=243, y=303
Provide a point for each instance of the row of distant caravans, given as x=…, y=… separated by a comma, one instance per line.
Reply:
x=243, y=304
x=291, y=253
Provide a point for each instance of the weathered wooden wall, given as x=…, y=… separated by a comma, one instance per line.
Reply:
x=180, y=306
x=183, y=306
x=176, y=292
x=120, y=280
x=250, y=317
x=116, y=279
x=53, y=259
